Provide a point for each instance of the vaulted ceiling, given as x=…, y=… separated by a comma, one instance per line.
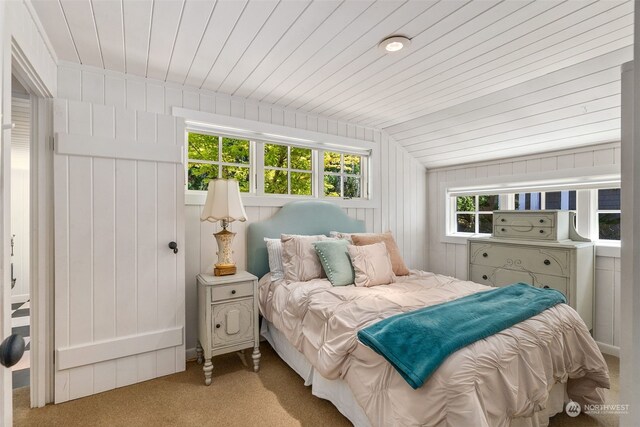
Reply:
x=321, y=57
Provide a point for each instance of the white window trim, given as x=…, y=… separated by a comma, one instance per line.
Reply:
x=266, y=132
x=584, y=180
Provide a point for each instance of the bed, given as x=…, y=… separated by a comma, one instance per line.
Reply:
x=518, y=377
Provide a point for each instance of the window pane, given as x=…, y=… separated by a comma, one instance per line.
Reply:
x=352, y=187
x=275, y=155
x=609, y=225
x=528, y=201
x=301, y=158
x=466, y=223
x=240, y=174
x=564, y=200
x=486, y=223
x=199, y=175
x=466, y=204
x=352, y=164
x=488, y=203
x=203, y=147
x=275, y=182
x=301, y=183
x=609, y=199
x=331, y=161
x=332, y=186
x=235, y=151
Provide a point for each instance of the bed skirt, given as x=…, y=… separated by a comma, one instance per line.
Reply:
x=340, y=395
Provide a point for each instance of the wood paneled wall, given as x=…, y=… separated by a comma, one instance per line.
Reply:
x=451, y=258
x=403, y=181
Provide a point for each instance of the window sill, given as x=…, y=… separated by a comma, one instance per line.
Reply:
x=608, y=248
x=461, y=238
x=198, y=198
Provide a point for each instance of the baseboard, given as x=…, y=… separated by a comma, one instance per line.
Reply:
x=19, y=298
x=191, y=354
x=609, y=349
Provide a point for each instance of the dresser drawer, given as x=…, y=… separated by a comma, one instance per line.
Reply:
x=524, y=219
x=524, y=232
x=234, y=290
x=540, y=260
x=498, y=276
x=232, y=322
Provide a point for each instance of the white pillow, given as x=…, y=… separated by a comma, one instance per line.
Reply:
x=274, y=250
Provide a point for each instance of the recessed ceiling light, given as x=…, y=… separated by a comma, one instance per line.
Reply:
x=394, y=44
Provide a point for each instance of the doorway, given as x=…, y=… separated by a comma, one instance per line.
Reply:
x=20, y=227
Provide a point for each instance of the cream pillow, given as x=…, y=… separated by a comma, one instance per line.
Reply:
x=363, y=239
x=300, y=261
x=371, y=264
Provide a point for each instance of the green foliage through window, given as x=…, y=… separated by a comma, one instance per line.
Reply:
x=342, y=175
x=285, y=170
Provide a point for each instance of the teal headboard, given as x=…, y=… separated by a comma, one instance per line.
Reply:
x=303, y=217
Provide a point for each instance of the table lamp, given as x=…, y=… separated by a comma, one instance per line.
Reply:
x=224, y=204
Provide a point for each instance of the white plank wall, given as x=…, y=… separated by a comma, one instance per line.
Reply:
x=115, y=277
x=403, y=181
x=451, y=258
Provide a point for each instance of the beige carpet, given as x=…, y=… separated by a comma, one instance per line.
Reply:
x=275, y=396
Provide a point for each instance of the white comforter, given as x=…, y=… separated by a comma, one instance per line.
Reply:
x=488, y=383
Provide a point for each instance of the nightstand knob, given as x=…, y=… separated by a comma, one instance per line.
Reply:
x=233, y=292
x=546, y=287
x=217, y=325
x=485, y=254
x=547, y=262
x=484, y=276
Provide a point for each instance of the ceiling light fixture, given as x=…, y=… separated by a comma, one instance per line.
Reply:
x=394, y=44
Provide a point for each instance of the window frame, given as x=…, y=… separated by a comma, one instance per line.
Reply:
x=364, y=187
x=599, y=211
x=260, y=170
x=585, y=184
x=257, y=196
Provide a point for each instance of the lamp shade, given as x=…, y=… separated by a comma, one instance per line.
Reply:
x=223, y=202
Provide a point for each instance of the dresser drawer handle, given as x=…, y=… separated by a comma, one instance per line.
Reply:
x=503, y=229
x=217, y=325
x=541, y=231
x=233, y=292
x=502, y=219
x=485, y=254
x=541, y=221
x=484, y=276
x=546, y=287
x=547, y=262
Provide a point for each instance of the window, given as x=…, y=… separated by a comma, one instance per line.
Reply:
x=542, y=200
x=287, y=170
x=474, y=213
x=266, y=168
x=212, y=156
x=343, y=175
x=609, y=214
x=599, y=210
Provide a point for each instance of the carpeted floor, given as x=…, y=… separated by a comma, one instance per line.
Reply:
x=275, y=396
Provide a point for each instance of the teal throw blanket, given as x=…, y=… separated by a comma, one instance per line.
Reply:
x=417, y=342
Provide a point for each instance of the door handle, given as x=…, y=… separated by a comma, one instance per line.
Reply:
x=11, y=350
x=174, y=246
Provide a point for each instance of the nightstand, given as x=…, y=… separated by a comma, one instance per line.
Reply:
x=227, y=318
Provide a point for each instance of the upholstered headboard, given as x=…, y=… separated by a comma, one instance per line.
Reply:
x=303, y=217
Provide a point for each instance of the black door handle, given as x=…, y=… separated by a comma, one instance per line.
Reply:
x=11, y=350
x=174, y=246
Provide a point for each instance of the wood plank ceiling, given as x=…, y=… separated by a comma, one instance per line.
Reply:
x=482, y=79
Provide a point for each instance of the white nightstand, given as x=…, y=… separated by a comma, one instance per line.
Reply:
x=227, y=318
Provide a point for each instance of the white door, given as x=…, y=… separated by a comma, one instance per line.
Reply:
x=119, y=288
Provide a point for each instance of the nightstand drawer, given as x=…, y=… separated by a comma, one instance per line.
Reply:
x=233, y=290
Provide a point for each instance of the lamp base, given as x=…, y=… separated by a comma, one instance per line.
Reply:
x=224, y=271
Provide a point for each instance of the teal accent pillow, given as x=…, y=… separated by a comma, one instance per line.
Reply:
x=335, y=261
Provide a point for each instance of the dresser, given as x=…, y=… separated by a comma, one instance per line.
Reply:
x=227, y=318
x=529, y=247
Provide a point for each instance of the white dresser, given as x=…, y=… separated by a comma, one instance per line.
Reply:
x=531, y=249
x=227, y=318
